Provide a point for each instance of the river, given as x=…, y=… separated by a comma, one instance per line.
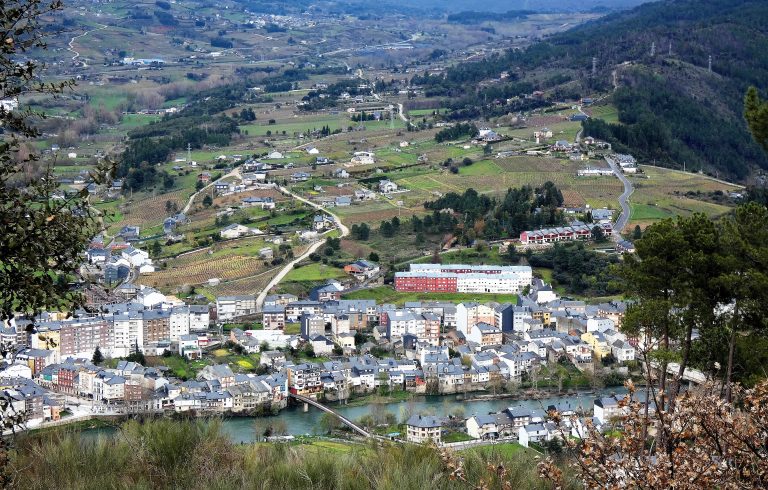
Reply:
x=298, y=422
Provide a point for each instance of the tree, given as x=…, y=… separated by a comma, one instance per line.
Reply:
x=40, y=260
x=207, y=201
x=386, y=229
x=329, y=423
x=598, y=235
x=707, y=443
x=373, y=257
x=637, y=233
x=756, y=114
x=157, y=249
x=98, y=357
x=511, y=254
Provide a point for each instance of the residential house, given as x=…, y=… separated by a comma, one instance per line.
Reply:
x=331, y=291
x=362, y=269
x=343, y=201
x=218, y=372
x=424, y=428
x=312, y=325
x=304, y=379
x=386, y=186
x=321, y=345
x=236, y=230
x=274, y=317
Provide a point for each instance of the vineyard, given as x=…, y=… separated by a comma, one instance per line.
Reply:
x=152, y=211
x=224, y=268
x=248, y=285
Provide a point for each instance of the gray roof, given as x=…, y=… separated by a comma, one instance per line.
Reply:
x=424, y=421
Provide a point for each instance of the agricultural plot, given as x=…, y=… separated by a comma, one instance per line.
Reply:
x=661, y=193
x=248, y=285
x=607, y=113
x=200, y=272
x=226, y=264
x=149, y=211
x=314, y=273
x=497, y=175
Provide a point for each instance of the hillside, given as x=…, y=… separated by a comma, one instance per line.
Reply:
x=671, y=108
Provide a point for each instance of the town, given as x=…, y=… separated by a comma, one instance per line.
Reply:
x=344, y=348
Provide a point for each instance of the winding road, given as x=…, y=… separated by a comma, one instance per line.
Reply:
x=312, y=249
x=623, y=218
x=234, y=173
x=71, y=41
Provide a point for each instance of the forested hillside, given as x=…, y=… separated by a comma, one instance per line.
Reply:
x=671, y=108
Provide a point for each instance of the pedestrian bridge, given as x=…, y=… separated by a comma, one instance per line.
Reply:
x=343, y=419
x=691, y=375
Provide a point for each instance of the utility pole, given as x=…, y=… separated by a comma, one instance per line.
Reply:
x=710, y=64
x=670, y=48
x=653, y=49
x=594, y=66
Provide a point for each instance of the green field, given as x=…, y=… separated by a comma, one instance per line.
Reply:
x=648, y=212
x=485, y=167
x=457, y=437
x=607, y=113
x=386, y=294
x=313, y=273
x=500, y=451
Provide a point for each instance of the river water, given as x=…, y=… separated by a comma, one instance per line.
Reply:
x=298, y=422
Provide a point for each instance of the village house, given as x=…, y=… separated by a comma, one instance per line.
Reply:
x=424, y=429
x=362, y=269
x=274, y=317
x=386, y=186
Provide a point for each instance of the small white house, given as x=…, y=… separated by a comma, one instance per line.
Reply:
x=236, y=230
x=386, y=186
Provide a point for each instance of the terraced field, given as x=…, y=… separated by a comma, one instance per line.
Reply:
x=248, y=285
x=151, y=210
x=225, y=268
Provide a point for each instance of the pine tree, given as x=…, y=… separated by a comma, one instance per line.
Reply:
x=98, y=357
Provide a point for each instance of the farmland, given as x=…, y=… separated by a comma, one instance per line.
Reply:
x=662, y=193
x=118, y=99
x=314, y=273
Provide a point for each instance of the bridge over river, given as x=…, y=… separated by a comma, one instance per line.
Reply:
x=343, y=419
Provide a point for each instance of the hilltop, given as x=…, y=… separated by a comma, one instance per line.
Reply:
x=672, y=108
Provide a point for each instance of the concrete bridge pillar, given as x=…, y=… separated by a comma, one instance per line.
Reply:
x=306, y=407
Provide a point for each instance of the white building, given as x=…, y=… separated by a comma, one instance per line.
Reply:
x=386, y=186
x=229, y=307
x=424, y=429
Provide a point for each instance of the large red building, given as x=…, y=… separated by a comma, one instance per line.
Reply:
x=431, y=284
x=459, y=278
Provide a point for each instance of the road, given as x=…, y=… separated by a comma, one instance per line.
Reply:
x=400, y=110
x=623, y=218
x=71, y=41
x=312, y=249
x=234, y=173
